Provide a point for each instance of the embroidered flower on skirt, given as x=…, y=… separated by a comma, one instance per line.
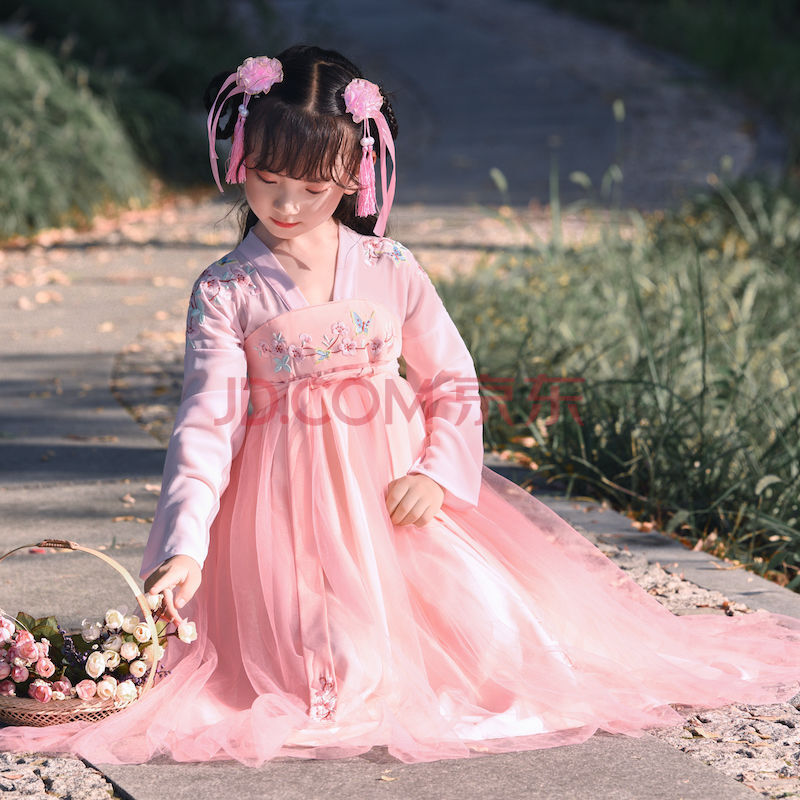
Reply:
x=323, y=702
x=343, y=338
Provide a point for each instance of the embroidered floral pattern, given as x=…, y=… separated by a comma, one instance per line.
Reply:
x=215, y=287
x=342, y=338
x=375, y=247
x=323, y=702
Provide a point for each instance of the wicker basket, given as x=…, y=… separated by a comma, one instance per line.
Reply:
x=27, y=711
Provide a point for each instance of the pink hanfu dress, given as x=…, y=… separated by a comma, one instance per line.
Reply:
x=324, y=628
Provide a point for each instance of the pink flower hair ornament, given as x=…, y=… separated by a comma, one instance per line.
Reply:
x=254, y=76
x=363, y=100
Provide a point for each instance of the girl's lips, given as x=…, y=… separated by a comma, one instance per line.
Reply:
x=284, y=224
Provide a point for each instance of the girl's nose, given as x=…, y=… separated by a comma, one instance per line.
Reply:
x=287, y=203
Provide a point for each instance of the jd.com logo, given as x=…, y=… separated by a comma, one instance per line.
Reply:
x=454, y=398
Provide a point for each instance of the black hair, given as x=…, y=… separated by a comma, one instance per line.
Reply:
x=300, y=127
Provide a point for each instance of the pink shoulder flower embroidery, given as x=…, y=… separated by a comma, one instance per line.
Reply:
x=210, y=287
x=375, y=247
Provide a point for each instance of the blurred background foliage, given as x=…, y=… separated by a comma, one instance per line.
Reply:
x=682, y=335
x=116, y=90
x=752, y=45
x=63, y=153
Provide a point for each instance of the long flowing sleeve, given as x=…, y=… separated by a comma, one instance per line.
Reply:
x=210, y=423
x=441, y=371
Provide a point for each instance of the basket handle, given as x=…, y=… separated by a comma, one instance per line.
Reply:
x=65, y=544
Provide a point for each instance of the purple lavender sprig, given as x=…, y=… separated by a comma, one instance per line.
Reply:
x=71, y=654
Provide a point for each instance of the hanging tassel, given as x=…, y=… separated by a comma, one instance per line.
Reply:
x=236, y=170
x=366, y=201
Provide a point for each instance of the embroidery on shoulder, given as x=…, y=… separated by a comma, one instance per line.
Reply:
x=218, y=280
x=375, y=247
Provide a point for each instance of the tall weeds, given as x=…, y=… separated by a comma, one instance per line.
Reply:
x=684, y=342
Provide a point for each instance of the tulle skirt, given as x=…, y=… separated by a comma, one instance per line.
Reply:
x=325, y=629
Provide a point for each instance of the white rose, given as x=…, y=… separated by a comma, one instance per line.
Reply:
x=114, y=619
x=95, y=664
x=112, y=659
x=59, y=695
x=114, y=642
x=154, y=600
x=142, y=633
x=138, y=668
x=126, y=690
x=130, y=622
x=90, y=630
x=129, y=651
x=148, y=652
x=187, y=632
x=106, y=688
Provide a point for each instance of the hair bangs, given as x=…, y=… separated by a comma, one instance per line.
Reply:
x=286, y=140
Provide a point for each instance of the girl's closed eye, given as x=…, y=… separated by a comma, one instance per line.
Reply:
x=270, y=178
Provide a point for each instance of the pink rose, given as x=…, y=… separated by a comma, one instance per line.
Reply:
x=63, y=685
x=29, y=650
x=44, y=648
x=5, y=670
x=6, y=629
x=41, y=691
x=7, y=689
x=86, y=689
x=19, y=674
x=362, y=99
x=45, y=667
x=24, y=636
x=13, y=652
x=258, y=74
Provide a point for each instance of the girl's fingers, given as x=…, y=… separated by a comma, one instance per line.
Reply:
x=169, y=603
x=169, y=579
x=187, y=590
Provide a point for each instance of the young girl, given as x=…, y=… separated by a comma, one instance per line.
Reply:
x=357, y=576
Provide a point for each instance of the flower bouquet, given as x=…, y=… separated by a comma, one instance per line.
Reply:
x=49, y=675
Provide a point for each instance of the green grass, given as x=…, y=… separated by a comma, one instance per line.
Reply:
x=151, y=62
x=685, y=341
x=63, y=153
x=98, y=98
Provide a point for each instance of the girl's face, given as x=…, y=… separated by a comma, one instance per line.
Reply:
x=289, y=208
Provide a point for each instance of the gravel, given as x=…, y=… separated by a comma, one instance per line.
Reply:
x=37, y=777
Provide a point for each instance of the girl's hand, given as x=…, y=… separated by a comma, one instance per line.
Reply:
x=181, y=571
x=413, y=499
